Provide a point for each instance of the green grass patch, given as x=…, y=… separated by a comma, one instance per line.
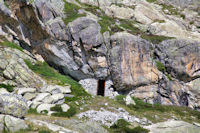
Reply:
x=9, y=88
x=155, y=39
x=44, y=131
x=160, y=66
x=159, y=21
x=59, y=113
x=122, y=126
x=120, y=98
x=182, y=16
x=50, y=74
x=31, y=1
x=11, y=45
x=129, y=26
x=169, y=76
x=56, y=108
x=142, y=106
x=32, y=111
x=71, y=12
x=105, y=23
x=151, y=1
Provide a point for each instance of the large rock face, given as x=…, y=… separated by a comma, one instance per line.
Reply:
x=130, y=63
x=181, y=58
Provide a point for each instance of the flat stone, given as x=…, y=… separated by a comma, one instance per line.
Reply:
x=29, y=96
x=41, y=96
x=48, y=99
x=44, y=106
x=22, y=91
x=57, y=97
x=54, y=89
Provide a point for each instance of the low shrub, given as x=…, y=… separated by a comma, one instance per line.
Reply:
x=32, y=111
x=160, y=66
x=9, y=88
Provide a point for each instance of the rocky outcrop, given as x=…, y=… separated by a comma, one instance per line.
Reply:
x=130, y=62
x=181, y=58
x=14, y=105
x=14, y=70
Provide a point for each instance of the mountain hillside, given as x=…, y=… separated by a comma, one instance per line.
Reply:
x=100, y=66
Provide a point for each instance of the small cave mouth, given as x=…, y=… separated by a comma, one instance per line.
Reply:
x=101, y=88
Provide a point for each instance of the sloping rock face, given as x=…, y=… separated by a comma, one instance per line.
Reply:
x=74, y=49
x=173, y=126
x=14, y=70
x=12, y=124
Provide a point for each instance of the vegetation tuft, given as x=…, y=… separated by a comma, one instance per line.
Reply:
x=122, y=126
x=120, y=98
x=11, y=45
x=151, y=1
x=155, y=39
x=59, y=113
x=160, y=66
x=9, y=88
x=32, y=111
x=71, y=12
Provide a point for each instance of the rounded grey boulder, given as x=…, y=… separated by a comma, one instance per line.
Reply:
x=12, y=104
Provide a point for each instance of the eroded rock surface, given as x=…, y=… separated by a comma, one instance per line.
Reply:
x=130, y=63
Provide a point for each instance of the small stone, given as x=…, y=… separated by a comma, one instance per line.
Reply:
x=197, y=124
x=60, y=101
x=3, y=91
x=129, y=100
x=65, y=107
x=48, y=99
x=57, y=97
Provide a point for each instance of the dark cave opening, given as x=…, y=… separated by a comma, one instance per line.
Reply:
x=101, y=87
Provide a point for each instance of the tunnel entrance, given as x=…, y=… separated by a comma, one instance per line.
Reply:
x=101, y=88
